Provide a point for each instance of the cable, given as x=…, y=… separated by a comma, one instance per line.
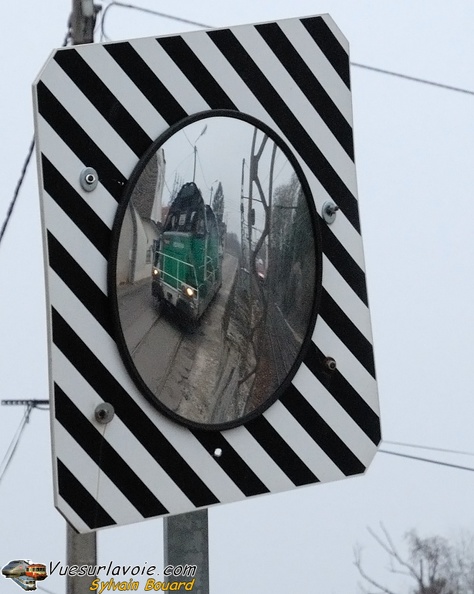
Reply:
x=422, y=447
x=14, y=443
x=356, y=64
x=438, y=462
x=413, y=78
x=147, y=10
x=25, y=165
x=17, y=189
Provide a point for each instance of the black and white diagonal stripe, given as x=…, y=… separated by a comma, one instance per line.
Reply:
x=103, y=106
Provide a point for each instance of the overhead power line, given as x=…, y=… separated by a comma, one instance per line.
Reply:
x=429, y=460
x=413, y=78
x=431, y=448
x=206, y=26
x=14, y=444
x=17, y=190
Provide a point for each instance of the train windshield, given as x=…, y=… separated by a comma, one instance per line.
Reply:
x=186, y=213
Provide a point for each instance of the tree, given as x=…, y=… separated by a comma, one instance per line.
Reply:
x=218, y=203
x=433, y=564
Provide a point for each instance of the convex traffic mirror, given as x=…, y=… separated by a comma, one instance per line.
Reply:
x=215, y=270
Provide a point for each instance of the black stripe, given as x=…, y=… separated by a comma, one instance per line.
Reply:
x=293, y=129
x=154, y=442
x=232, y=464
x=344, y=394
x=103, y=100
x=347, y=331
x=341, y=259
x=330, y=47
x=147, y=82
x=80, y=500
x=106, y=458
x=80, y=283
x=281, y=453
x=321, y=433
x=78, y=141
x=309, y=84
x=193, y=69
x=76, y=208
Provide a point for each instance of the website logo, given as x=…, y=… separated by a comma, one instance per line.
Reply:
x=24, y=573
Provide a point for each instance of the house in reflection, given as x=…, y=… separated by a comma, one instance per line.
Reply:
x=142, y=223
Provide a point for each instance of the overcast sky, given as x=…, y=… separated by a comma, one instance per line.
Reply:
x=414, y=157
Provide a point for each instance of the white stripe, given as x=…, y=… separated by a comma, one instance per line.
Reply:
x=297, y=103
x=170, y=75
x=348, y=301
x=302, y=444
x=199, y=459
x=78, y=245
x=335, y=416
x=70, y=167
x=336, y=32
x=89, y=119
x=120, y=85
x=94, y=480
x=119, y=437
x=349, y=237
x=257, y=459
x=66, y=510
x=319, y=64
x=105, y=349
x=347, y=364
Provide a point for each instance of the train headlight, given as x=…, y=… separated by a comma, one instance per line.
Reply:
x=156, y=271
x=189, y=291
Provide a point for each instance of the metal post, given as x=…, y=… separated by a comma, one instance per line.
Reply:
x=80, y=550
x=83, y=21
x=186, y=545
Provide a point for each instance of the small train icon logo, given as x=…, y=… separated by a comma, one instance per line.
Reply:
x=24, y=573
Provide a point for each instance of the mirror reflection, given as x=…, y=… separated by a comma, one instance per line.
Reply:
x=216, y=271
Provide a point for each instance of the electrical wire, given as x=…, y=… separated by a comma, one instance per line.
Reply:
x=413, y=78
x=14, y=443
x=355, y=64
x=24, y=169
x=430, y=461
x=17, y=190
x=103, y=34
x=198, y=24
x=431, y=448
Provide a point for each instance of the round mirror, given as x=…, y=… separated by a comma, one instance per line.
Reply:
x=215, y=270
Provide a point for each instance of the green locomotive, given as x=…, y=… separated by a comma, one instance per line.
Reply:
x=187, y=271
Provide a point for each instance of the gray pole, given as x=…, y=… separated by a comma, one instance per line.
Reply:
x=83, y=21
x=186, y=545
x=81, y=549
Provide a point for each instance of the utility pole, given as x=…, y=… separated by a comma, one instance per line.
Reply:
x=82, y=21
x=81, y=549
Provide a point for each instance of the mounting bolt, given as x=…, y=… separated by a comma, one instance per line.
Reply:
x=104, y=413
x=330, y=364
x=329, y=211
x=217, y=453
x=88, y=179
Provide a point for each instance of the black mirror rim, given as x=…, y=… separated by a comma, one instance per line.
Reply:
x=112, y=270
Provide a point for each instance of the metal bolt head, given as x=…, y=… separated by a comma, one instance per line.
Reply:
x=329, y=210
x=330, y=364
x=88, y=179
x=104, y=413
